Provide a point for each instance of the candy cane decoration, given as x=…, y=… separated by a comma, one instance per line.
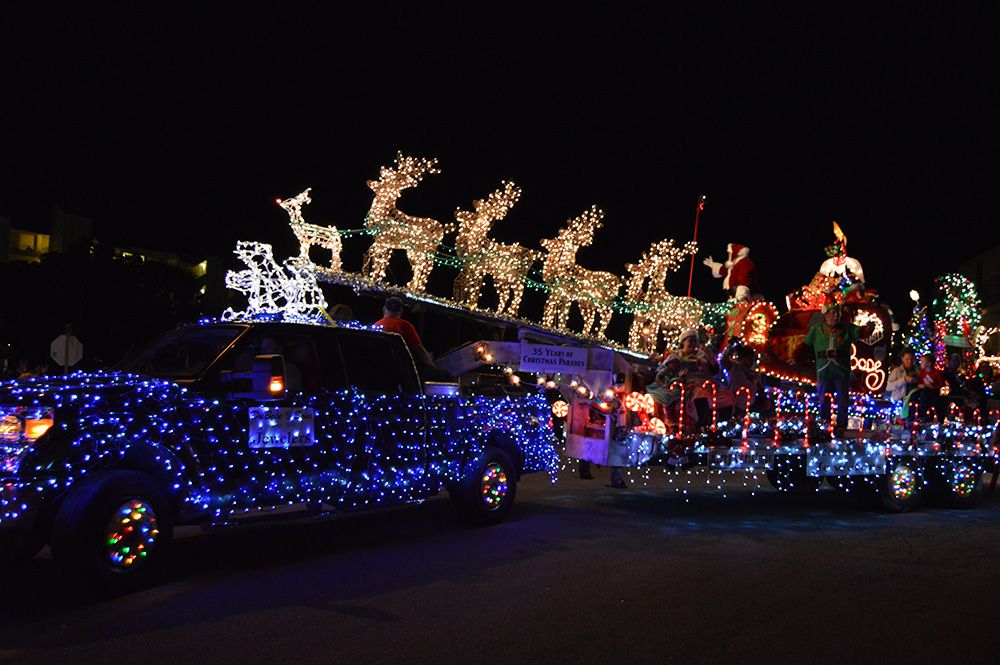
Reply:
x=746, y=412
x=977, y=414
x=715, y=400
x=683, y=406
x=829, y=421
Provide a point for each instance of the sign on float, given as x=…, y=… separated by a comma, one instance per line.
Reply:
x=552, y=359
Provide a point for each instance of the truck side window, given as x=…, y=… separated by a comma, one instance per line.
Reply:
x=404, y=361
x=370, y=363
x=301, y=367
x=331, y=364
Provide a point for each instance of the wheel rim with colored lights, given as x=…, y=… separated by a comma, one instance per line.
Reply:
x=493, y=486
x=131, y=534
x=963, y=480
x=903, y=482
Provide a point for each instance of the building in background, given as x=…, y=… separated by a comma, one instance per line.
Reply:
x=63, y=232
x=984, y=270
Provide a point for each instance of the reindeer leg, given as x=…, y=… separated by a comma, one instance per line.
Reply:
x=516, y=294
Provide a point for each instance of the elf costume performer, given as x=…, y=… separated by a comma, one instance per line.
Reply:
x=831, y=343
x=738, y=273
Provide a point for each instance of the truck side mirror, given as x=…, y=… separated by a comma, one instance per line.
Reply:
x=266, y=379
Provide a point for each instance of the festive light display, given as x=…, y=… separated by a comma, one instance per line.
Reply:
x=481, y=256
x=594, y=292
x=957, y=305
x=370, y=450
x=656, y=311
x=289, y=290
x=131, y=534
x=308, y=234
x=919, y=339
x=493, y=486
x=392, y=229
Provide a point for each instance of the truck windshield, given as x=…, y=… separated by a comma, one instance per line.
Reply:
x=182, y=354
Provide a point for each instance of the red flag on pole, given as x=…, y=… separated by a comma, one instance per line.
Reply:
x=697, y=213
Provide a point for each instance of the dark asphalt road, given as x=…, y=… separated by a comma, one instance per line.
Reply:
x=581, y=573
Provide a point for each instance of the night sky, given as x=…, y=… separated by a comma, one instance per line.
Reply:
x=175, y=129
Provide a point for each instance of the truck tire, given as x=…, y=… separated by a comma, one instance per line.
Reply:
x=487, y=492
x=789, y=475
x=955, y=483
x=114, y=531
x=900, y=489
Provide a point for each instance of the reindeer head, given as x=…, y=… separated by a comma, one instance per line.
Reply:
x=476, y=225
x=578, y=232
x=294, y=204
x=406, y=172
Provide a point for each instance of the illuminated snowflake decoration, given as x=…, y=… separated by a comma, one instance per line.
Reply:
x=288, y=291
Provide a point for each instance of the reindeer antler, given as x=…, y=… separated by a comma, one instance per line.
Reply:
x=415, y=167
x=498, y=203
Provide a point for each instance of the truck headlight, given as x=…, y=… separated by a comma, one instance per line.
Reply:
x=20, y=426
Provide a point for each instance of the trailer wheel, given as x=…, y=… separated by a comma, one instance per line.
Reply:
x=114, y=531
x=900, y=489
x=956, y=483
x=487, y=492
x=789, y=475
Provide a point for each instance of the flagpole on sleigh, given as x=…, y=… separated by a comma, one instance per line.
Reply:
x=697, y=213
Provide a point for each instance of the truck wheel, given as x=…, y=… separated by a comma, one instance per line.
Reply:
x=487, y=492
x=900, y=489
x=789, y=475
x=114, y=531
x=956, y=483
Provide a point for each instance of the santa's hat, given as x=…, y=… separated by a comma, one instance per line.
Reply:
x=737, y=251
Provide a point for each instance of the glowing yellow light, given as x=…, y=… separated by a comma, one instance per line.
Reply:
x=277, y=384
x=36, y=427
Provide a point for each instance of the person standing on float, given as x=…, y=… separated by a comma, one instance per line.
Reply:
x=831, y=343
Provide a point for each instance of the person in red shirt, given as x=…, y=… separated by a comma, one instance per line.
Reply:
x=929, y=381
x=392, y=321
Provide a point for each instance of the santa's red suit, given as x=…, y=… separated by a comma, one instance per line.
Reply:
x=738, y=273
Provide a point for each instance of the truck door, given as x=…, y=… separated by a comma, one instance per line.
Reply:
x=275, y=451
x=387, y=423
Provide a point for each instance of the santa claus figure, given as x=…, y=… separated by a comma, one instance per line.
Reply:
x=738, y=273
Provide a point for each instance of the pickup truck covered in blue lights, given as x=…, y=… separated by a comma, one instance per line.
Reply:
x=218, y=423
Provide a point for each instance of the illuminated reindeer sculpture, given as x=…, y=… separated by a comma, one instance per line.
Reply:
x=419, y=237
x=481, y=256
x=656, y=310
x=311, y=234
x=593, y=292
